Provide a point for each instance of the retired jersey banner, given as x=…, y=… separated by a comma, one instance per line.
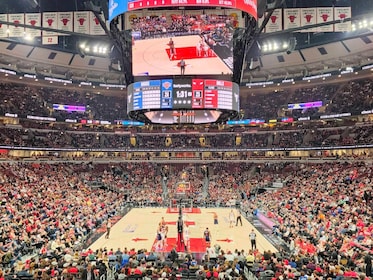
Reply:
x=95, y=26
x=3, y=27
x=81, y=22
x=49, y=40
x=15, y=30
x=33, y=19
x=50, y=21
x=324, y=15
x=275, y=22
x=65, y=22
x=342, y=13
x=291, y=18
x=308, y=17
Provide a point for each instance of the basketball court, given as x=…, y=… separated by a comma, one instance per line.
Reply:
x=138, y=230
x=151, y=57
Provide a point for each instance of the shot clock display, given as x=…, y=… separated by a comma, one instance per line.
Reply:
x=183, y=100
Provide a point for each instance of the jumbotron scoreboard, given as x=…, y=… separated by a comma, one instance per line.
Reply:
x=202, y=100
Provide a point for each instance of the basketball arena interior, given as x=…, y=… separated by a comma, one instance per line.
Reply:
x=186, y=139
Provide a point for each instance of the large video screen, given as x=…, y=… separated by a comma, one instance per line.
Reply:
x=182, y=94
x=189, y=43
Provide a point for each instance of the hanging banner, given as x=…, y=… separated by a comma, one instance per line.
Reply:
x=15, y=30
x=95, y=26
x=50, y=21
x=308, y=17
x=275, y=22
x=65, y=22
x=81, y=22
x=342, y=13
x=33, y=19
x=325, y=14
x=3, y=27
x=49, y=40
x=291, y=18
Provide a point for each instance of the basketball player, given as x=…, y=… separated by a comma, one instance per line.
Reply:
x=186, y=236
x=232, y=218
x=171, y=44
x=199, y=48
x=207, y=236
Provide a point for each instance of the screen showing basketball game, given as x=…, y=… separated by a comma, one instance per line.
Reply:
x=184, y=42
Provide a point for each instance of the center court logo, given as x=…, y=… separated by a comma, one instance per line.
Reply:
x=112, y=6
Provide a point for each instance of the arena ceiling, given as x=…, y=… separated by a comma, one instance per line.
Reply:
x=305, y=59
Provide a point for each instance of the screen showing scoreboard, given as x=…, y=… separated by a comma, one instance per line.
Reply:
x=183, y=100
x=183, y=94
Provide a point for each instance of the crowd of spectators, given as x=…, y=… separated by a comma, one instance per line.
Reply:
x=353, y=97
x=17, y=136
x=323, y=213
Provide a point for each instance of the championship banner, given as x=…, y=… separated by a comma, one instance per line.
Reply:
x=15, y=30
x=308, y=17
x=3, y=27
x=50, y=21
x=342, y=13
x=325, y=14
x=65, y=22
x=291, y=18
x=81, y=22
x=33, y=19
x=275, y=22
x=95, y=26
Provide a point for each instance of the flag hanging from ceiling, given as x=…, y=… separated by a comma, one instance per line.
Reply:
x=65, y=22
x=308, y=17
x=94, y=25
x=3, y=27
x=16, y=30
x=33, y=19
x=342, y=13
x=81, y=22
x=291, y=18
x=275, y=21
x=324, y=15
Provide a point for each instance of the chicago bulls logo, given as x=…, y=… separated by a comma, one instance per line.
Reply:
x=273, y=19
x=65, y=21
x=50, y=21
x=33, y=22
x=292, y=18
x=16, y=22
x=324, y=17
x=96, y=21
x=342, y=16
x=81, y=21
x=308, y=18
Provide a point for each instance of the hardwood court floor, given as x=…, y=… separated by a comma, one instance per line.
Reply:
x=150, y=56
x=138, y=230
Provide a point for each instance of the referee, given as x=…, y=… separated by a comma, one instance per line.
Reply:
x=252, y=236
